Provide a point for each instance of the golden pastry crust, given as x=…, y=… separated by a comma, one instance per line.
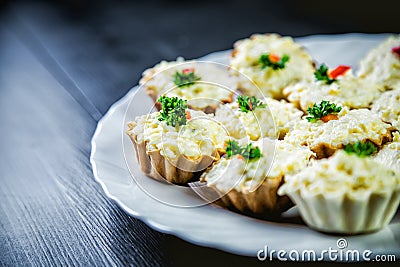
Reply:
x=264, y=202
x=180, y=170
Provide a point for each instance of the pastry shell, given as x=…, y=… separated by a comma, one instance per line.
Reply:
x=180, y=170
x=344, y=214
x=264, y=202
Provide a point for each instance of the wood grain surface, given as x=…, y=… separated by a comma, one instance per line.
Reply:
x=62, y=64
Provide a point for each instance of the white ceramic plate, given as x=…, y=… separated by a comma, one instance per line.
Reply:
x=209, y=225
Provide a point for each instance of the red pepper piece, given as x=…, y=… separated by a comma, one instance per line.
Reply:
x=396, y=51
x=274, y=58
x=240, y=157
x=329, y=117
x=186, y=71
x=188, y=116
x=250, y=106
x=340, y=70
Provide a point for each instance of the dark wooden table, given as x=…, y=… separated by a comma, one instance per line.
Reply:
x=62, y=64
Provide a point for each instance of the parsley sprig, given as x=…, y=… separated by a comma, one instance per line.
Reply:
x=185, y=78
x=173, y=110
x=247, y=103
x=248, y=152
x=265, y=61
x=361, y=149
x=321, y=74
x=322, y=109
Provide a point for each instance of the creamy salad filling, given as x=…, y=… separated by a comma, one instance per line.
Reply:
x=342, y=174
x=389, y=155
x=387, y=106
x=247, y=58
x=350, y=127
x=206, y=82
x=382, y=64
x=274, y=120
x=348, y=91
x=202, y=135
x=278, y=159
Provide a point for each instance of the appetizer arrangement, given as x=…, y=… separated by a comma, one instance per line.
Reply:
x=275, y=130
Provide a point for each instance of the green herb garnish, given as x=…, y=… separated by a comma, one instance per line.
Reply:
x=173, y=110
x=186, y=78
x=247, y=103
x=273, y=61
x=321, y=74
x=248, y=152
x=322, y=109
x=233, y=148
x=361, y=149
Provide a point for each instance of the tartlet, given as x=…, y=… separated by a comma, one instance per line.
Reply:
x=204, y=84
x=345, y=194
x=382, y=64
x=273, y=120
x=351, y=126
x=348, y=90
x=387, y=106
x=177, y=154
x=253, y=56
x=250, y=186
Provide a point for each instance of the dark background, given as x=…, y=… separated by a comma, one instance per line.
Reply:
x=63, y=63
